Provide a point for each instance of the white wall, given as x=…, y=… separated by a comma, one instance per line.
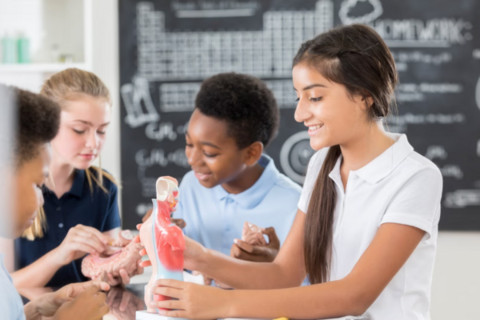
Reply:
x=105, y=65
x=456, y=280
x=456, y=286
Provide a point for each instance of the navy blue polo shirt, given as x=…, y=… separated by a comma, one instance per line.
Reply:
x=80, y=205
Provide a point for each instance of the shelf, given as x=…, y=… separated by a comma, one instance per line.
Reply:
x=40, y=67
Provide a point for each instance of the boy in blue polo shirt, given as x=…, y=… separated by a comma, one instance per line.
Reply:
x=232, y=181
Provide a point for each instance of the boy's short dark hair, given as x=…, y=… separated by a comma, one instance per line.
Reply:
x=38, y=121
x=245, y=103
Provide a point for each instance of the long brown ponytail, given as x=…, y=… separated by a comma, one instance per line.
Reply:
x=318, y=248
x=356, y=57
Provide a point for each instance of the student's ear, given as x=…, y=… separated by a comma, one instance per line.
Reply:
x=366, y=101
x=253, y=153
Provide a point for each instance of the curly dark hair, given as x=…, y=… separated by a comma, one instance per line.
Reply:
x=245, y=103
x=38, y=121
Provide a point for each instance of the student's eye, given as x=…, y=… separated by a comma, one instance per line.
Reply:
x=189, y=145
x=101, y=132
x=298, y=99
x=208, y=155
x=79, y=131
x=315, y=99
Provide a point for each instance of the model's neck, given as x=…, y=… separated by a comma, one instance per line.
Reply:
x=163, y=212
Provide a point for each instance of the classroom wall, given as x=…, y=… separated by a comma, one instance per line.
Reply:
x=105, y=65
x=456, y=286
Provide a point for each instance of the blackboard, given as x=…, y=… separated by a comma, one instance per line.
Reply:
x=168, y=47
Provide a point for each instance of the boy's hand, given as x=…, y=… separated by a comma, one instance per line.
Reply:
x=71, y=291
x=147, y=215
x=244, y=251
x=48, y=304
x=178, y=222
x=88, y=305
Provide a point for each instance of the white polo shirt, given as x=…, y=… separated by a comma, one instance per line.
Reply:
x=399, y=186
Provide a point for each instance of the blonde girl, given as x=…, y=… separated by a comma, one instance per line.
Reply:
x=80, y=211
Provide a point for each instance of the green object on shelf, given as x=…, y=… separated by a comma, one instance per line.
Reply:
x=23, y=44
x=9, y=50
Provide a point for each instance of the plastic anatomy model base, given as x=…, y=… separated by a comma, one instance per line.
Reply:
x=164, y=243
x=253, y=234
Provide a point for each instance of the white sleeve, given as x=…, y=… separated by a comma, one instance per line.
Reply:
x=417, y=203
x=314, y=166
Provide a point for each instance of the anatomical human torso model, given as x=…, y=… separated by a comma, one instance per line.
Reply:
x=163, y=241
x=127, y=257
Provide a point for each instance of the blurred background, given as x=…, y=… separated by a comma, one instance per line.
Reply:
x=153, y=56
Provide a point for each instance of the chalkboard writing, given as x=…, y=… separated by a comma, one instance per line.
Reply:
x=167, y=48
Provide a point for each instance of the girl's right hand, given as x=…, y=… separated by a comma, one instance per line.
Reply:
x=79, y=241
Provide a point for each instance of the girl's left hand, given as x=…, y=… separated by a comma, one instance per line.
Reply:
x=194, y=301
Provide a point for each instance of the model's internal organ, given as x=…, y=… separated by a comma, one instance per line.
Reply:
x=169, y=239
x=253, y=234
x=128, y=257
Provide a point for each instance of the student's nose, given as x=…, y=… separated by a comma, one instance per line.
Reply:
x=92, y=140
x=194, y=157
x=302, y=112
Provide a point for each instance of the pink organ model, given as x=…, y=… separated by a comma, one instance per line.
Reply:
x=163, y=241
x=94, y=265
x=253, y=234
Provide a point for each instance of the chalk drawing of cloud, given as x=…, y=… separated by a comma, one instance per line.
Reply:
x=348, y=5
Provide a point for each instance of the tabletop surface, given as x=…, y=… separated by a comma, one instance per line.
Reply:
x=123, y=302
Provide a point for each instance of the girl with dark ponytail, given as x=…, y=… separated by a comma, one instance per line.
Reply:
x=366, y=229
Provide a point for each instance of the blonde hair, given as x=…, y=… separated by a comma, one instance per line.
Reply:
x=36, y=230
x=69, y=85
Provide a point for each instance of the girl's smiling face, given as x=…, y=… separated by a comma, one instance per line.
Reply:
x=333, y=116
x=82, y=133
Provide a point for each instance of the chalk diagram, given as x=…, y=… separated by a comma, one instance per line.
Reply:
x=477, y=98
x=294, y=156
x=133, y=95
x=179, y=60
x=477, y=93
x=347, y=5
x=462, y=198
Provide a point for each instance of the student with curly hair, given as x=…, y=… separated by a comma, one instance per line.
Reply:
x=37, y=122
